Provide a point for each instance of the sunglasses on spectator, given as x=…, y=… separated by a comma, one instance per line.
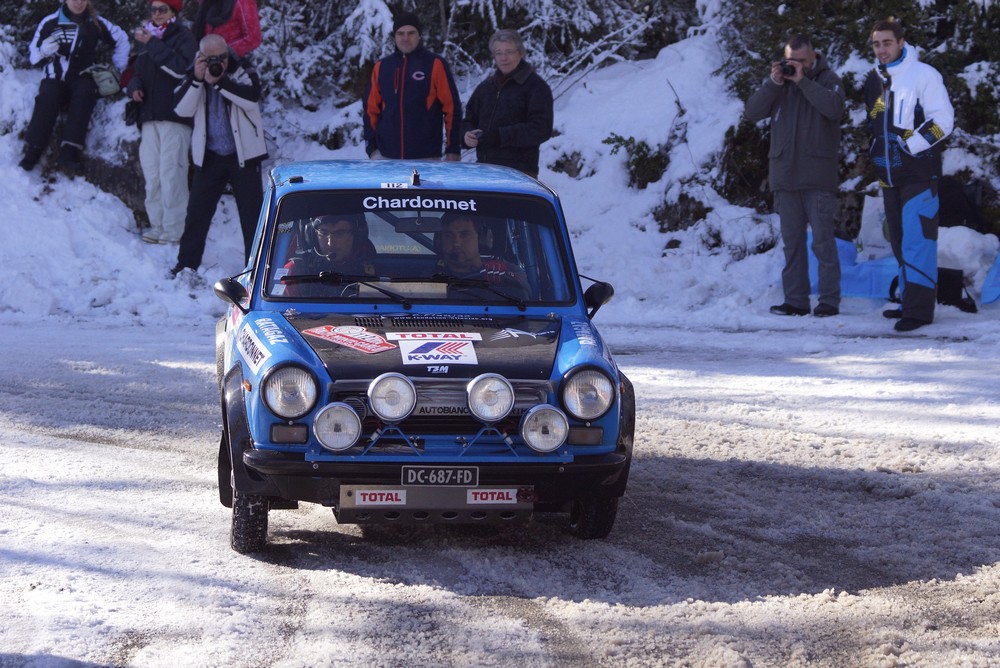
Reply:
x=158, y=9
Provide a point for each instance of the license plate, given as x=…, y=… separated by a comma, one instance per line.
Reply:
x=440, y=476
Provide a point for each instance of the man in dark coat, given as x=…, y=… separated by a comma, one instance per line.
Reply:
x=510, y=113
x=411, y=95
x=804, y=99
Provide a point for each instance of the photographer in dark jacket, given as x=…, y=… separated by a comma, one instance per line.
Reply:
x=804, y=99
x=166, y=51
x=510, y=114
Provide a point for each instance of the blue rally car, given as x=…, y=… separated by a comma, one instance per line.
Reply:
x=411, y=344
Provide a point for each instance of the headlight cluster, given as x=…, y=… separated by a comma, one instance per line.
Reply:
x=291, y=392
x=588, y=394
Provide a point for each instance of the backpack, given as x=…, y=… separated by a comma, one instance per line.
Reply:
x=950, y=289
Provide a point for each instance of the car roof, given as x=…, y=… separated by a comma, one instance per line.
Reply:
x=377, y=174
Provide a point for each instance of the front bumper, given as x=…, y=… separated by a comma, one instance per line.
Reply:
x=550, y=483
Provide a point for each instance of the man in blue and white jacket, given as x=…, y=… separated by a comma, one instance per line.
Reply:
x=909, y=116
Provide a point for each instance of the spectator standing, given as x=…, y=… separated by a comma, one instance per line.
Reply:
x=165, y=53
x=510, y=113
x=804, y=99
x=236, y=21
x=65, y=44
x=909, y=115
x=222, y=93
x=410, y=96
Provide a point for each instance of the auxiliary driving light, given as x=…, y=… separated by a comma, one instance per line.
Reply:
x=392, y=397
x=544, y=428
x=337, y=426
x=491, y=398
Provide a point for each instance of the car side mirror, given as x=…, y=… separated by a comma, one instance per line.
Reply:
x=596, y=296
x=232, y=291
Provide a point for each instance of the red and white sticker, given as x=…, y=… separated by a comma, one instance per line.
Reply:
x=380, y=497
x=490, y=496
x=350, y=336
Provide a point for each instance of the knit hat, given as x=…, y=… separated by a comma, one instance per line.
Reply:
x=175, y=5
x=405, y=19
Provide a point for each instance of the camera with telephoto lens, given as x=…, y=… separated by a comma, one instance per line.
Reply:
x=216, y=65
x=787, y=69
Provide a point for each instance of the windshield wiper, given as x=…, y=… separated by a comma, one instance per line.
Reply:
x=337, y=278
x=477, y=284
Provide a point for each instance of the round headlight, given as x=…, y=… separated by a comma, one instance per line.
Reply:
x=337, y=426
x=290, y=392
x=544, y=428
x=491, y=398
x=588, y=394
x=392, y=397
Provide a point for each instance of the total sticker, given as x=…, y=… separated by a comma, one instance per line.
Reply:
x=380, y=497
x=490, y=496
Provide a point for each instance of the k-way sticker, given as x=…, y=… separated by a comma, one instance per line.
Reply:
x=356, y=338
x=438, y=352
x=251, y=348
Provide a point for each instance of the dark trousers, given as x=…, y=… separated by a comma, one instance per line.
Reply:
x=206, y=189
x=911, y=214
x=78, y=96
x=797, y=210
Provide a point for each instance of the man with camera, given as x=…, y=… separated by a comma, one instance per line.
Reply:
x=804, y=99
x=222, y=93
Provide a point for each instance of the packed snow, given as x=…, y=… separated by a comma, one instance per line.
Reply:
x=805, y=491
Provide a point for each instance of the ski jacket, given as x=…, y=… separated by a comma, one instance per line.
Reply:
x=406, y=101
x=240, y=90
x=160, y=67
x=236, y=21
x=79, y=36
x=805, y=128
x=909, y=115
x=515, y=114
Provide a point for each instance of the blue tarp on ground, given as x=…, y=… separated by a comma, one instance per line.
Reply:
x=991, y=286
x=869, y=279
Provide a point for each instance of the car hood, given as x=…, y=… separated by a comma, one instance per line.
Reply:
x=433, y=346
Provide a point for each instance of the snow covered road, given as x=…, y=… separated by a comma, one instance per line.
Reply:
x=828, y=500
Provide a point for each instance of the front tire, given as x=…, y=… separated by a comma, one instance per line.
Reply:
x=249, y=528
x=593, y=517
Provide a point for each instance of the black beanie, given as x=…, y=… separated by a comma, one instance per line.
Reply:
x=405, y=19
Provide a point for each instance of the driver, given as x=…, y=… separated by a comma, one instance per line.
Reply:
x=339, y=244
x=462, y=238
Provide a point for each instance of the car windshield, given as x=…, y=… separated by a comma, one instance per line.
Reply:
x=390, y=245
